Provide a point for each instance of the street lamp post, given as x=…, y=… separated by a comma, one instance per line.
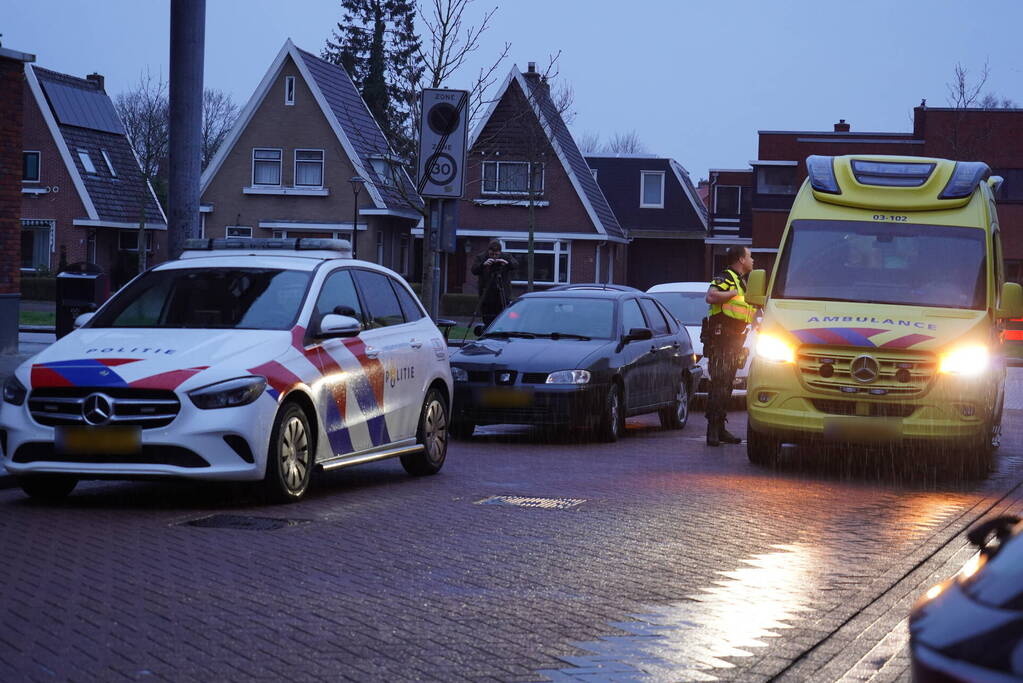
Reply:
x=357, y=183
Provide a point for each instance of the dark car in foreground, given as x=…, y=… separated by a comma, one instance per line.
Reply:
x=970, y=627
x=576, y=358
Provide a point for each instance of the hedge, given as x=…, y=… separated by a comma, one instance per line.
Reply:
x=35, y=288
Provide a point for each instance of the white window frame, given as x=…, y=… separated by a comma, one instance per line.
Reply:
x=499, y=191
x=294, y=169
x=239, y=229
x=380, y=248
x=122, y=233
x=642, y=189
x=558, y=247
x=83, y=155
x=110, y=165
x=404, y=252
x=39, y=165
x=289, y=91
x=738, y=200
x=280, y=162
x=384, y=170
x=51, y=230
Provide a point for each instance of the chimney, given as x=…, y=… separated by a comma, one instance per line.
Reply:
x=531, y=69
x=841, y=126
x=98, y=80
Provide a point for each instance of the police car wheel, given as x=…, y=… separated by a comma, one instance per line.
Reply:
x=47, y=486
x=610, y=427
x=761, y=449
x=432, y=434
x=676, y=415
x=289, y=462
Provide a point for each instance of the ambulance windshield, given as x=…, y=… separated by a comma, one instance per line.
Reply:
x=208, y=298
x=884, y=263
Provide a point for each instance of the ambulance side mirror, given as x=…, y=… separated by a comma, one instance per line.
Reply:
x=1012, y=301
x=756, y=288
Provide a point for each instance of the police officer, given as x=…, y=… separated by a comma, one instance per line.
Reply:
x=724, y=334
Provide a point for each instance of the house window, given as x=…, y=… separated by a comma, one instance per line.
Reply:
x=776, y=179
x=511, y=177
x=1012, y=185
x=726, y=200
x=128, y=240
x=550, y=261
x=384, y=170
x=380, y=248
x=36, y=244
x=403, y=251
x=309, y=168
x=86, y=161
x=110, y=166
x=30, y=167
x=651, y=195
x=289, y=90
x=238, y=231
x=266, y=167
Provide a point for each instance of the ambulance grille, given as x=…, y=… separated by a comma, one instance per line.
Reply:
x=899, y=375
x=145, y=408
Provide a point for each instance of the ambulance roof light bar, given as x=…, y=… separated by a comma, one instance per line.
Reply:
x=891, y=173
x=344, y=247
x=821, y=171
x=965, y=178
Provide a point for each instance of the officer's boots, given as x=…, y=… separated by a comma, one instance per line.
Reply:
x=724, y=436
x=713, y=431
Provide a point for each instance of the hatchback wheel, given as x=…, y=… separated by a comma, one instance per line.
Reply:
x=610, y=427
x=289, y=464
x=47, y=486
x=676, y=415
x=432, y=434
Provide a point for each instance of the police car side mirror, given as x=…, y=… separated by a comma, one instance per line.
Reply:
x=83, y=318
x=638, y=334
x=1012, y=301
x=334, y=325
x=756, y=288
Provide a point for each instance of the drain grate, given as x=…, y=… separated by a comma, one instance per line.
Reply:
x=244, y=522
x=524, y=502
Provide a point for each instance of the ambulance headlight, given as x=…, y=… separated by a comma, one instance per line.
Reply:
x=774, y=349
x=821, y=171
x=968, y=361
x=228, y=394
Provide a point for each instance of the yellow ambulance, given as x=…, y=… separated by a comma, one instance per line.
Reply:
x=884, y=312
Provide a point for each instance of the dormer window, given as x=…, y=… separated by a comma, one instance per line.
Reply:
x=289, y=90
x=651, y=191
x=110, y=165
x=86, y=161
x=511, y=177
x=383, y=169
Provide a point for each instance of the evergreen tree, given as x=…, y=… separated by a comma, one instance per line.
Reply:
x=377, y=44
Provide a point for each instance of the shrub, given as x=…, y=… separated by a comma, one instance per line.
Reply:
x=35, y=288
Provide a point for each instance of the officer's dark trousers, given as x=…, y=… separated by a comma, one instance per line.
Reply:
x=723, y=363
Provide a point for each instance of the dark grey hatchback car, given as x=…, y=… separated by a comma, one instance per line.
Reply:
x=576, y=358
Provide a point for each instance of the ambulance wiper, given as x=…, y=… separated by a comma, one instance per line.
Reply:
x=508, y=333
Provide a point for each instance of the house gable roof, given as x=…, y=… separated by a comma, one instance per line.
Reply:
x=620, y=176
x=346, y=113
x=81, y=118
x=553, y=125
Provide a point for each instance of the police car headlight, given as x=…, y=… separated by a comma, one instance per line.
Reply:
x=228, y=394
x=774, y=349
x=569, y=377
x=14, y=391
x=968, y=361
x=459, y=375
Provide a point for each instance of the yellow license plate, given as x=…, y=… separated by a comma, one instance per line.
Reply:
x=506, y=398
x=98, y=440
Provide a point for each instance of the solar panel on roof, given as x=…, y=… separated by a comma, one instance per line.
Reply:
x=82, y=108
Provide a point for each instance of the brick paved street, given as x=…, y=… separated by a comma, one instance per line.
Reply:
x=672, y=561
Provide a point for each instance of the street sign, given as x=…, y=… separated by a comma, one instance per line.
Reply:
x=442, y=138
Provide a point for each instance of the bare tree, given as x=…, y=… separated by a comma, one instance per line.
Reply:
x=992, y=101
x=589, y=142
x=219, y=113
x=625, y=143
x=966, y=94
x=563, y=97
x=144, y=113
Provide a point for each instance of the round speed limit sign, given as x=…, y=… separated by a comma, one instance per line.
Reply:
x=441, y=168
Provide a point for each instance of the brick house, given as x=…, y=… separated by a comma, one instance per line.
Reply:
x=522, y=138
x=12, y=159
x=730, y=221
x=994, y=136
x=83, y=195
x=286, y=168
x=657, y=204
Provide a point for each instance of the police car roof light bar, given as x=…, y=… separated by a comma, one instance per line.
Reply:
x=344, y=247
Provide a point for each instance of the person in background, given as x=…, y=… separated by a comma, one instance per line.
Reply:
x=494, y=269
x=726, y=324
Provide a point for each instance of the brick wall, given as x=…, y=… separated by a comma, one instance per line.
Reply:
x=11, y=78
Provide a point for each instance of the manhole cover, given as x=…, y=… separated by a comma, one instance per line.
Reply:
x=244, y=523
x=524, y=502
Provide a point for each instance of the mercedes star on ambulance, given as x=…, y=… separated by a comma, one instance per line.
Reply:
x=883, y=316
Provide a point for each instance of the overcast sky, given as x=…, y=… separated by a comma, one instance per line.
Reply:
x=695, y=80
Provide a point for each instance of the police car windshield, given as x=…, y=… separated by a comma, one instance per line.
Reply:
x=593, y=318
x=209, y=298
x=688, y=307
x=884, y=263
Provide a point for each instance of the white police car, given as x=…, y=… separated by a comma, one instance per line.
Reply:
x=242, y=360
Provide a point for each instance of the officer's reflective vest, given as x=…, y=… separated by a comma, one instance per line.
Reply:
x=736, y=307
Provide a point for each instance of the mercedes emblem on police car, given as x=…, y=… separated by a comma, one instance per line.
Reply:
x=97, y=409
x=864, y=369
